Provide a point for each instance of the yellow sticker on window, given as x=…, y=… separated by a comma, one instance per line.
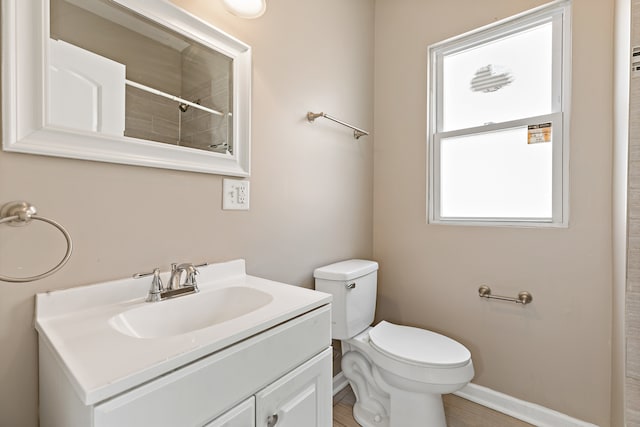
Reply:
x=539, y=133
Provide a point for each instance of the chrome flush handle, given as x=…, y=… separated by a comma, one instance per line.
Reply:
x=350, y=285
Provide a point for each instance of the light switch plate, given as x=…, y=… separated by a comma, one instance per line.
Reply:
x=235, y=194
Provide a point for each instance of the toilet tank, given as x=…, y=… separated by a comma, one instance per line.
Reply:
x=353, y=284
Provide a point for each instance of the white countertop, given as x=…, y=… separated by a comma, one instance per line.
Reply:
x=101, y=362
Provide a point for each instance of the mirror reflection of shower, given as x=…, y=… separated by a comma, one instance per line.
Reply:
x=161, y=68
x=203, y=127
x=183, y=107
x=206, y=89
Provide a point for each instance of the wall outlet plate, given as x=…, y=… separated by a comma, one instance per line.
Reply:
x=235, y=194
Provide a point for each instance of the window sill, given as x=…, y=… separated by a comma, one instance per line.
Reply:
x=492, y=223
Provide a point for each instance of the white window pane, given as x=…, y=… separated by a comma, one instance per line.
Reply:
x=525, y=58
x=495, y=175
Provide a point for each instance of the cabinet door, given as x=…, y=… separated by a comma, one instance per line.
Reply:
x=242, y=415
x=300, y=398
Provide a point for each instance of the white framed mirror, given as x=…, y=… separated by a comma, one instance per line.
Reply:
x=125, y=81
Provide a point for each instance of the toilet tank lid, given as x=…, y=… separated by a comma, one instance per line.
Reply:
x=345, y=270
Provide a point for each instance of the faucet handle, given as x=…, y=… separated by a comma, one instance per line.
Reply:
x=191, y=277
x=141, y=275
x=156, y=287
x=192, y=272
x=156, y=283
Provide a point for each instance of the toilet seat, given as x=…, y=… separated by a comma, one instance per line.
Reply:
x=418, y=346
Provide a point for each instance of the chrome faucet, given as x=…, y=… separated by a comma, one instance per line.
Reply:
x=176, y=274
x=174, y=288
x=174, y=279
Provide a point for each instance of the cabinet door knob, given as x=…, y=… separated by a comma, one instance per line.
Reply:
x=272, y=420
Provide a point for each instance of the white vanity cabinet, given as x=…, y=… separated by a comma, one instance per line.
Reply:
x=270, y=367
x=287, y=368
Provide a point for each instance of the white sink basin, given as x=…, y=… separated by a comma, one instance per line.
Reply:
x=189, y=313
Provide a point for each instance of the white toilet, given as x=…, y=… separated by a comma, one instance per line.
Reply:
x=398, y=373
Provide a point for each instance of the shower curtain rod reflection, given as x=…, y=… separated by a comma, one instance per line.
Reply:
x=172, y=97
x=357, y=132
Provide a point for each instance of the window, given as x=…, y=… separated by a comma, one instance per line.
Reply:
x=498, y=122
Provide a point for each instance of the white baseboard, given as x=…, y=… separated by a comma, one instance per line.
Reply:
x=516, y=408
x=520, y=409
x=339, y=382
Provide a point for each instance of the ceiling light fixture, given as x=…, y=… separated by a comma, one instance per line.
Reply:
x=246, y=8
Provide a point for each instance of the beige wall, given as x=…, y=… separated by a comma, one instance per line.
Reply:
x=311, y=184
x=557, y=351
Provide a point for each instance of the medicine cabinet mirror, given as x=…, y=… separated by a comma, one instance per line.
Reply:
x=124, y=81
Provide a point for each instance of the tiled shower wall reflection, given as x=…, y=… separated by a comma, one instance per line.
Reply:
x=204, y=79
x=151, y=117
x=632, y=309
x=200, y=129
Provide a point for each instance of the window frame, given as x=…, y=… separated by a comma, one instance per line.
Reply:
x=559, y=14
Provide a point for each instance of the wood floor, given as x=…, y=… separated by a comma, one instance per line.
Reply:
x=459, y=412
x=343, y=408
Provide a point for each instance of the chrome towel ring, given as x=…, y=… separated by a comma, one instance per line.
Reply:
x=21, y=213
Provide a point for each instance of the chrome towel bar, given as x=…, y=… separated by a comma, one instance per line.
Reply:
x=523, y=298
x=357, y=132
x=21, y=213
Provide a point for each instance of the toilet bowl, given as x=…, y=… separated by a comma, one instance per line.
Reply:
x=398, y=373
